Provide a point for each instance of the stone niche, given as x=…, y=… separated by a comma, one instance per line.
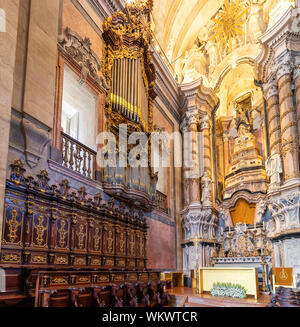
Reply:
x=246, y=169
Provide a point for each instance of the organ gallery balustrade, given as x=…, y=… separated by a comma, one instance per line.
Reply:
x=78, y=157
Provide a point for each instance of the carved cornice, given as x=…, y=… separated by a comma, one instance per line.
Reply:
x=279, y=38
x=106, y=8
x=199, y=97
x=80, y=51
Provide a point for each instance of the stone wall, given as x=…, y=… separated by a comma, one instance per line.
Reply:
x=8, y=41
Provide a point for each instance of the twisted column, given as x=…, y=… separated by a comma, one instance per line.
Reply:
x=271, y=96
x=288, y=121
x=297, y=94
x=194, y=183
x=206, y=129
x=186, y=169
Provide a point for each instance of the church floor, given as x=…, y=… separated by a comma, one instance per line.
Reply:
x=187, y=297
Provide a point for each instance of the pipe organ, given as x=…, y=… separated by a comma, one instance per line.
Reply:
x=130, y=75
x=129, y=94
x=128, y=67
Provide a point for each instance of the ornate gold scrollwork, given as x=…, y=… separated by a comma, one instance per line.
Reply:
x=40, y=230
x=62, y=234
x=13, y=226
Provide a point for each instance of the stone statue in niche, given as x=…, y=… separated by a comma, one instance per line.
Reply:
x=195, y=62
x=206, y=190
x=243, y=130
x=274, y=168
x=243, y=112
x=261, y=208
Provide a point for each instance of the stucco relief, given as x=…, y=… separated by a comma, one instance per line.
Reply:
x=202, y=224
x=285, y=213
x=80, y=51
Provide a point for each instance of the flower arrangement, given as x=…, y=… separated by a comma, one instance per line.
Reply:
x=229, y=289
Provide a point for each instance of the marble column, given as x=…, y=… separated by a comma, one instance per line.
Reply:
x=271, y=96
x=206, y=129
x=8, y=41
x=288, y=121
x=194, y=183
x=225, y=123
x=226, y=151
x=297, y=94
x=186, y=169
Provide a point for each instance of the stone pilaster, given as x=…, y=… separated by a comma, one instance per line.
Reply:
x=288, y=120
x=8, y=41
x=39, y=94
x=271, y=96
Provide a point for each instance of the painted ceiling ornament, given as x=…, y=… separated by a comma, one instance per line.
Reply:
x=228, y=24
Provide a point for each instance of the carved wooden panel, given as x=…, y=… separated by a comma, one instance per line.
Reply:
x=79, y=233
x=14, y=211
x=40, y=227
x=109, y=240
x=49, y=227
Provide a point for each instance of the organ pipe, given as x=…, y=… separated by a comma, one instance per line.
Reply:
x=129, y=96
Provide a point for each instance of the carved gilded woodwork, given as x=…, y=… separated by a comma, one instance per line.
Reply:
x=130, y=76
x=48, y=226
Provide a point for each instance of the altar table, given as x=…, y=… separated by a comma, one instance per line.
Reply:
x=244, y=276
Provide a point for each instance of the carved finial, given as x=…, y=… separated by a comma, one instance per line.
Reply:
x=17, y=172
x=82, y=195
x=64, y=188
x=98, y=200
x=43, y=179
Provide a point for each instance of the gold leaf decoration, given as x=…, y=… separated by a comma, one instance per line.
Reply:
x=228, y=24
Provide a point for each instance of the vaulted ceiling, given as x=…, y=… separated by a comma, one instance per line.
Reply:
x=180, y=21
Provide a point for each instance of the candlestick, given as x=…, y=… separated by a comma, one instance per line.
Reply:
x=255, y=253
x=230, y=253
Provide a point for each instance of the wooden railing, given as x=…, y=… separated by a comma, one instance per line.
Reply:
x=162, y=202
x=78, y=157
